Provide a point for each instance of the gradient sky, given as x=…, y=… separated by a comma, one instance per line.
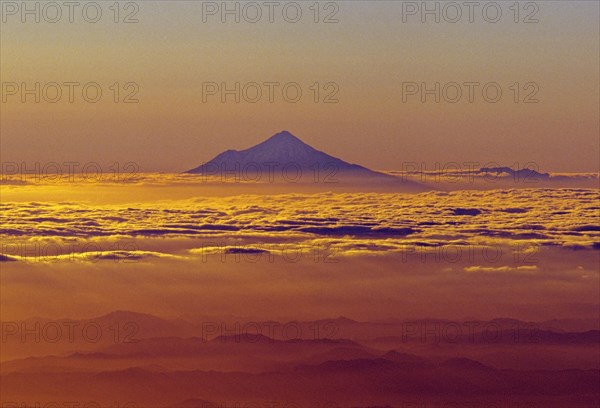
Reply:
x=369, y=54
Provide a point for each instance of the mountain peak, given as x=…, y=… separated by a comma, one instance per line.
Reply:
x=283, y=134
x=285, y=137
x=284, y=156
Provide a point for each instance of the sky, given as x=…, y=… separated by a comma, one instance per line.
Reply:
x=367, y=63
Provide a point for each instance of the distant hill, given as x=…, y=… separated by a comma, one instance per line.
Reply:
x=519, y=174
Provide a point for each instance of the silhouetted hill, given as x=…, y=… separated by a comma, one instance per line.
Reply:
x=284, y=157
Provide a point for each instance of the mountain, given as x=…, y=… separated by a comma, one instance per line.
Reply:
x=284, y=157
x=519, y=174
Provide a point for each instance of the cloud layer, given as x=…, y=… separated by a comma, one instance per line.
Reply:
x=345, y=223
